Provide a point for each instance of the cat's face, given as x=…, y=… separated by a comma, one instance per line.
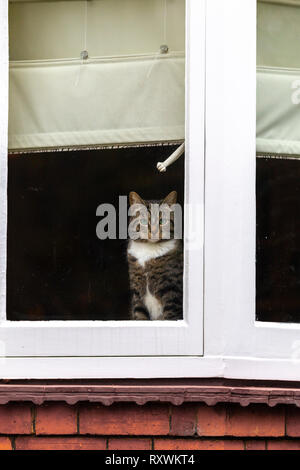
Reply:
x=152, y=220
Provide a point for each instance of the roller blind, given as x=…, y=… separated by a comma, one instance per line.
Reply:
x=96, y=72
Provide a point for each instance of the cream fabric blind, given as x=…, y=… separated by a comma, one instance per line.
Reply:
x=126, y=91
x=278, y=77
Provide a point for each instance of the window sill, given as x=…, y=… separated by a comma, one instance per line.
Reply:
x=176, y=391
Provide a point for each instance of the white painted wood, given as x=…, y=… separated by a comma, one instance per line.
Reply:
x=194, y=163
x=130, y=338
x=149, y=367
x=230, y=178
x=64, y=338
x=235, y=345
x=107, y=367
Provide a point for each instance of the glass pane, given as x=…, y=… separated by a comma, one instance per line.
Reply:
x=96, y=72
x=97, y=100
x=278, y=161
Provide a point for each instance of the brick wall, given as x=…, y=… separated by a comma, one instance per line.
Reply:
x=152, y=426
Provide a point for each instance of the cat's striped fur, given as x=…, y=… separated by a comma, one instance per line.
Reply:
x=156, y=272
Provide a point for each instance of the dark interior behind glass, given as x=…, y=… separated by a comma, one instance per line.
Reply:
x=57, y=268
x=278, y=162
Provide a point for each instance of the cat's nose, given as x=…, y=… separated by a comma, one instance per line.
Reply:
x=153, y=228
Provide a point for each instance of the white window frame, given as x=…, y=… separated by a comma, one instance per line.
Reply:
x=128, y=338
x=249, y=349
x=235, y=345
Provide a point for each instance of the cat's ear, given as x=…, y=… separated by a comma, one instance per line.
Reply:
x=171, y=198
x=134, y=198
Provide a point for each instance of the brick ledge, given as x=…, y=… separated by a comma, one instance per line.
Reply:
x=141, y=392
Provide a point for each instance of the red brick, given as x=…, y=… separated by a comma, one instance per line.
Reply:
x=125, y=443
x=293, y=421
x=282, y=444
x=211, y=420
x=234, y=444
x=56, y=418
x=5, y=443
x=125, y=419
x=255, y=445
x=183, y=420
x=197, y=444
x=60, y=443
x=177, y=444
x=15, y=418
x=255, y=421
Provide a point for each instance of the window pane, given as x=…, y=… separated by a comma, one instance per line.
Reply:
x=96, y=72
x=97, y=99
x=57, y=267
x=278, y=161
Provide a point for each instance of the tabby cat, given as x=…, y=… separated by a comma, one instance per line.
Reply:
x=155, y=265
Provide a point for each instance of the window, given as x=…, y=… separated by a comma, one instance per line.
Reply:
x=223, y=333
x=89, y=119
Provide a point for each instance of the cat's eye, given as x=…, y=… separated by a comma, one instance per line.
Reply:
x=163, y=221
x=143, y=222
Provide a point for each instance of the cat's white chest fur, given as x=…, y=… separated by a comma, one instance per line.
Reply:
x=144, y=252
